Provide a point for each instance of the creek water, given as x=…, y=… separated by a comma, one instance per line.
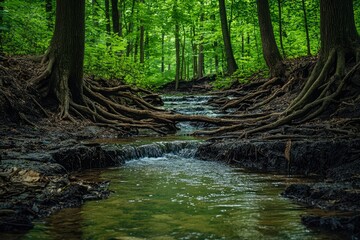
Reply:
x=171, y=195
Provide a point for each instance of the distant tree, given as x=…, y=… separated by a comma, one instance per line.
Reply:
x=280, y=28
x=306, y=28
x=142, y=38
x=230, y=59
x=49, y=9
x=107, y=16
x=201, y=57
x=271, y=52
x=115, y=17
x=1, y=25
x=177, y=44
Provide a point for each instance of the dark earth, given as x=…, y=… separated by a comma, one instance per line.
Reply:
x=41, y=158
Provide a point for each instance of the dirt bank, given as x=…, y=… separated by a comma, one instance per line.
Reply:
x=38, y=172
x=334, y=162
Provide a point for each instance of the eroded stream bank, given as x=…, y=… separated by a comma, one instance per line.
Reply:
x=37, y=168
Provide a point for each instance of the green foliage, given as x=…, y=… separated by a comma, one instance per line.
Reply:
x=26, y=29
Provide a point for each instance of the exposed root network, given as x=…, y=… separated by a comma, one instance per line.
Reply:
x=121, y=107
x=273, y=105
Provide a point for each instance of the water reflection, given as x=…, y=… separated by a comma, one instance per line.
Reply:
x=172, y=197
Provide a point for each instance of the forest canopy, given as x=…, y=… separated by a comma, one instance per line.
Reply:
x=135, y=40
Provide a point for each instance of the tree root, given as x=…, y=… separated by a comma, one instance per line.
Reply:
x=123, y=108
x=327, y=84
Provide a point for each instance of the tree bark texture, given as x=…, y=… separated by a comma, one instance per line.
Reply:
x=271, y=52
x=231, y=63
x=337, y=25
x=67, y=51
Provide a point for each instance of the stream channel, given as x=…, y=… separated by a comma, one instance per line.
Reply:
x=163, y=192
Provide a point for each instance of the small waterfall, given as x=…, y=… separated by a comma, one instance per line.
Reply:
x=191, y=105
x=131, y=152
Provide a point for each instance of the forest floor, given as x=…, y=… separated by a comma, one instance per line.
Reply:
x=41, y=155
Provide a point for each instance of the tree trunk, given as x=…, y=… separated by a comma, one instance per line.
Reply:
x=142, y=44
x=130, y=29
x=177, y=55
x=337, y=25
x=66, y=54
x=271, y=52
x=115, y=17
x=340, y=44
x=183, y=66
x=231, y=63
x=163, y=52
x=142, y=38
x=107, y=16
x=1, y=24
x=201, y=60
x=121, y=10
x=194, y=52
x=136, y=47
x=280, y=28
x=48, y=9
x=306, y=29
x=215, y=47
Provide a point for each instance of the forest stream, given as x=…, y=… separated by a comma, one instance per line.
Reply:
x=164, y=192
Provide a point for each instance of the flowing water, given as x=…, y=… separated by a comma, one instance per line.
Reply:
x=194, y=105
x=168, y=194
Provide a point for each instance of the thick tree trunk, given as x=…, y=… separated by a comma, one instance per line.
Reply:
x=337, y=25
x=306, y=29
x=66, y=53
x=231, y=63
x=271, y=52
x=340, y=44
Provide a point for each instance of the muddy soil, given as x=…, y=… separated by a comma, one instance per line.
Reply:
x=39, y=168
